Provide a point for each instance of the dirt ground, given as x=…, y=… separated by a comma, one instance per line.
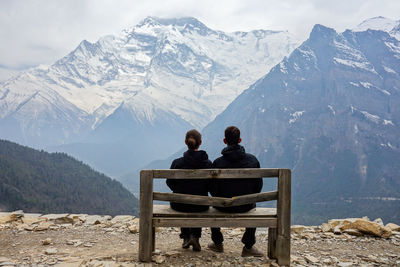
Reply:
x=99, y=246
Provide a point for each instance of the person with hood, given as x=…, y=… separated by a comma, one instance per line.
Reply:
x=235, y=156
x=193, y=158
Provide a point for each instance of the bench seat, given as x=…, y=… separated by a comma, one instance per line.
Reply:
x=165, y=216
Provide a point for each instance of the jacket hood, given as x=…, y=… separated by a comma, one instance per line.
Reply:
x=234, y=153
x=195, y=159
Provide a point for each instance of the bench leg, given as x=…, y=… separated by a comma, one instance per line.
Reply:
x=272, y=243
x=153, y=241
x=283, y=250
x=146, y=215
x=145, y=242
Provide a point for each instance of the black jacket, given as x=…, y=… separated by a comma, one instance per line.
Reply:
x=191, y=160
x=235, y=156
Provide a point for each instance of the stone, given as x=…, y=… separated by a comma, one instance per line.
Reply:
x=59, y=218
x=15, y=215
x=236, y=231
x=345, y=264
x=50, y=251
x=298, y=229
x=122, y=219
x=4, y=259
x=158, y=259
x=97, y=219
x=327, y=261
x=337, y=230
x=43, y=226
x=133, y=229
x=326, y=227
x=367, y=227
x=311, y=259
x=172, y=253
x=353, y=232
x=32, y=219
x=46, y=241
x=393, y=226
x=378, y=221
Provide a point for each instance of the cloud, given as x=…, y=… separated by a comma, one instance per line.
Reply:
x=34, y=32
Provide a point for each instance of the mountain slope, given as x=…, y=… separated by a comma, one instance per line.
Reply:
x=36, y=181
x=188, y=72
x=331, y=113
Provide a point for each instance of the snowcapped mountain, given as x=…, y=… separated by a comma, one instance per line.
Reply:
x=330, y=112
x=175, y=71
x=380, y=24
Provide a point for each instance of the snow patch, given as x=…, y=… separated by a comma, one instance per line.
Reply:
x=331, y=109
x=388, y=122
x=355, y=64
x=295, y=116
x=387, y=69
x=371, y=117
x=355, y=84
x=366, y=84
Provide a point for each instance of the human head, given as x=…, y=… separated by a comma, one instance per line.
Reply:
x=232, y=136
x=193, y=139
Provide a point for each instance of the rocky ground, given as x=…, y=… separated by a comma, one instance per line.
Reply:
x=83, y=240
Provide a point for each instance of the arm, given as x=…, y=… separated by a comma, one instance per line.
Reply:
x=171, y=182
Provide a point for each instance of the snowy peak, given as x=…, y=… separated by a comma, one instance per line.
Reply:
x=153, y=26
x=377, y=23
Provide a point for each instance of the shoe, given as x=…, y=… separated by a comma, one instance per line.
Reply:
x=251, y=252
x=216, y=248
x=186, y=242
x=194, y=242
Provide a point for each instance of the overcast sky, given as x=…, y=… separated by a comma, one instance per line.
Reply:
x=36, y=32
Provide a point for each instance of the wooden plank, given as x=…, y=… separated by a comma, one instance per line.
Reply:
x=167, y=211
x=215, y=222
x=216, y=201
x=192, y=199
x=254, y=198
x=283, y=214
x=215, y=173
x=146, y=214
x=272, y=243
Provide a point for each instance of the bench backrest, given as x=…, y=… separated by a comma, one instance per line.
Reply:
x=282, y=195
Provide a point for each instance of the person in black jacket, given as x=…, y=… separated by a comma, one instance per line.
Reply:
x=193, y=158
x=235, y=156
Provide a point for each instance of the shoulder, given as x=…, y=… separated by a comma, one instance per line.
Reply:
x=177, y=163
x=218, y=161
x=252, y=160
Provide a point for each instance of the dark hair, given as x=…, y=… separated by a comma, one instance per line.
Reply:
x=193, y=139
x=232, y=135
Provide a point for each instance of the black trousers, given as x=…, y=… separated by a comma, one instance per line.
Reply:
x=248, y=239
x=187, y=232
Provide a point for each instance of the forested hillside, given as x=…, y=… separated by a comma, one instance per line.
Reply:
x=37, y=181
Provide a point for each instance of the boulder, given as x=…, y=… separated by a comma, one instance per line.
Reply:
x=16, y=215
x=32, y=219
x=326, y=227
x=353, y=232
x=59, y=218
x=43, y=226
x=122, y=219
x=366, y=227
x=393, y=226
x=97, y=219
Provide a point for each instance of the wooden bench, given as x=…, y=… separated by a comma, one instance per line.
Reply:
x=276, y=219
